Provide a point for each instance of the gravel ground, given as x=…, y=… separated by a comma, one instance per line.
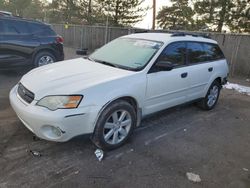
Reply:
x=215, y=145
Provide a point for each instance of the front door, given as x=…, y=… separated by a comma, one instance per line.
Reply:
x=168, y=88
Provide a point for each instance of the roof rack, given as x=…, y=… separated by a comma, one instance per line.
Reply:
x=175, y=33
x=182, y=34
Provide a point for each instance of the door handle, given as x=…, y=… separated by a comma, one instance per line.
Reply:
x=184, y=75
x=210, y=69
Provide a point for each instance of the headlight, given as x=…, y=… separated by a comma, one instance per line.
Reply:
x=57, y=102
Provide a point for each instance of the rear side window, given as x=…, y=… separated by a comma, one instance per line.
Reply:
x=41, y=29
x=196, y=53
x=213, y=52
x=1, y=27
x=174, y=53
x=16, y=27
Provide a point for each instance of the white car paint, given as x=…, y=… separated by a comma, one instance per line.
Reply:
x=100, y=84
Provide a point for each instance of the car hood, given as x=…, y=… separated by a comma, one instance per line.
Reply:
x=69, y=77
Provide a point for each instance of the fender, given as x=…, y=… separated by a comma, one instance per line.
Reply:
x=138, y=110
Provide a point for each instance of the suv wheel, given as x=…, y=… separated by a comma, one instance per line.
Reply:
x=44, y=58
x=114, y=125
x=212, y=96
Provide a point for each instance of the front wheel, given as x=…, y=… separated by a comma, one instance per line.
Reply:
x=212, y=96
x=114, y=125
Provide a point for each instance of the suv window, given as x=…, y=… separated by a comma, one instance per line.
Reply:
x=41, y=29
x=174, y=53
x=16, y=27
x=213, y=52
x=1, y=27
x=196, y=53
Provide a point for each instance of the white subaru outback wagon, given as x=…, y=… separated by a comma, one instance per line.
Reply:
x=107, y=93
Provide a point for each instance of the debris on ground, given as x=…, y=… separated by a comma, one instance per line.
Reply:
x=240, y=88
x=184, y=130
x=193, y=177
x=35, y=153
x=245, y=169
x=248, y=80
x=77, y=172
x=35, y=138
x=99, y=154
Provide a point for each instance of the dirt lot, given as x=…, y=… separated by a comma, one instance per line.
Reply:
x=169, y=144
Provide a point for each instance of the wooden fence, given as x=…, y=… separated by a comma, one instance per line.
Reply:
x=235, y=47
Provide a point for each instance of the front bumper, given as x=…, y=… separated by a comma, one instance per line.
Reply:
x=60, y=125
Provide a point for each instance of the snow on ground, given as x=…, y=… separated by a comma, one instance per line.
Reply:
x=239, y=88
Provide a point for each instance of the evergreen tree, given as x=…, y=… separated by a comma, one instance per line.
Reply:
x=123, y=12
x=214, y=12
x=177, y=16
x=17, y=7
x=240, y=17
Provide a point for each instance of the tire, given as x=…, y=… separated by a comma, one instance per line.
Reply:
x=41, y=58
x=212, y=96
x=114, y=125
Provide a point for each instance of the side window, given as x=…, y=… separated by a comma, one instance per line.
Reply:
x=174, y=54
x=41, y=29
x=213, y=52
x=1, y=27
x=16, y=27
x=35, y=28
x=196, y=53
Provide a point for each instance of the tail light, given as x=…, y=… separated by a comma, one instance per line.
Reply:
x=59, y=39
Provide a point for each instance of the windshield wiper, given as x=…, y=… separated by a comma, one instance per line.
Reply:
x=111, y=64
x=106, y=63
x=89, y=58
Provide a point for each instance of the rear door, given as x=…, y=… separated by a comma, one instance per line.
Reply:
x=168, y=88
x=17, y=44
x=200, y=69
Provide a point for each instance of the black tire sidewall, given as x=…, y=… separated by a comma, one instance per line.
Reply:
x=206, y=98
x=98, y=138
x=41, y=54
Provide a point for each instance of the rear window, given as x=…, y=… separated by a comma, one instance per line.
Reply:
x=213, y=52
x=41, y=29
x=16, y=27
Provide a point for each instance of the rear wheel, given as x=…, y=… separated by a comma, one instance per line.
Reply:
x=114, y=125
x=212, y=96
x=44, y=58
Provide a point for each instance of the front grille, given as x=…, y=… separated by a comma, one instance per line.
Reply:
x=25, y=94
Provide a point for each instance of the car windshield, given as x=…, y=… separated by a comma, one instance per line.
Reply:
x=127, y=53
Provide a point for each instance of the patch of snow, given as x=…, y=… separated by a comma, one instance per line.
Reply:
x=193, y=177
x=239, y=88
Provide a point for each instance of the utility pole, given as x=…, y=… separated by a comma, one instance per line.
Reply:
x=154, y=7
x=89, y=11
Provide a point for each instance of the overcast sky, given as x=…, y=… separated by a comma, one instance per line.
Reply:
x=147, y=21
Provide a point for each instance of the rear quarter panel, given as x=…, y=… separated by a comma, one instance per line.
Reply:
x=221, y=71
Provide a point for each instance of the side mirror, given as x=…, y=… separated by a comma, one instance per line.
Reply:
x=82, y=51
x=164, y=66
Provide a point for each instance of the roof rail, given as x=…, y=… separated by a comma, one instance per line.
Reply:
x=5, y=13
x=175, y=33
x=179, y=34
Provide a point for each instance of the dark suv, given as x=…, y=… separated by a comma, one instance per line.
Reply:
x=27, y=42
